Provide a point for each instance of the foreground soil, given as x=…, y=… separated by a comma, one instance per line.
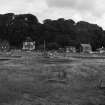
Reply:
x=36, y=80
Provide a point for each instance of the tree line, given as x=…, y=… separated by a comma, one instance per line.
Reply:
x=57, y=33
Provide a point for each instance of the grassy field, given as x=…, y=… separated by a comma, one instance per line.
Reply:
x=35, y=80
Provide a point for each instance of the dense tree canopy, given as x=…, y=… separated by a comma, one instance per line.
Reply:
x=57, y=33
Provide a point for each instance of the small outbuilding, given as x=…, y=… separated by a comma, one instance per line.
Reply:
x=4, y=45
x=85, y=48
x=28, y=44
x=71, y=49
x=101, y=50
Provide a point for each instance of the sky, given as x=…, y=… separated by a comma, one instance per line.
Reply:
x=92, y=11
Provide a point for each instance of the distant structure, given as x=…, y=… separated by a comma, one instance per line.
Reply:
x=71, y=49
x=28, y=44
x=61, y=50
x=101, y=50
x=4, y=46
x=85, y=48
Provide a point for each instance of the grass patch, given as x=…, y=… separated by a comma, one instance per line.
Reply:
x=31, y=82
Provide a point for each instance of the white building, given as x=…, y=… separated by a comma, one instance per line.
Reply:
x=86, y=48
x=101, y=50
x=28, y=44
x=70, y=49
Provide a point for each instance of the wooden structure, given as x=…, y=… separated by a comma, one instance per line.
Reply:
x=70, y=49
x=28, y=44
x=4, y=46
x=85, y=48
x=101, y=50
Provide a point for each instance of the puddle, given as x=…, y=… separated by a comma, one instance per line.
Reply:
x=4, y=59
x=55, y=61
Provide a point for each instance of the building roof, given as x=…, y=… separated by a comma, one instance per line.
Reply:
x=28, y=39
x=70, y=46
x=85, y=45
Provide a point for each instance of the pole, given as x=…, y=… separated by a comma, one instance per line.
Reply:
x=44, y=45
x=45, y=53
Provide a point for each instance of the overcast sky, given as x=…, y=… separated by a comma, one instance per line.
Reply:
x=88, y=10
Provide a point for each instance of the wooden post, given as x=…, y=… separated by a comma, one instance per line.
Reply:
x=44, y=45
x=44, y=53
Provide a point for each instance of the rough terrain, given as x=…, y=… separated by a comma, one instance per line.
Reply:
x=36, y=80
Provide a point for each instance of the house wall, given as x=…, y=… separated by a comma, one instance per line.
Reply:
x=4, y=46
x=28, y=45
x=85, y=48
x=71, y=49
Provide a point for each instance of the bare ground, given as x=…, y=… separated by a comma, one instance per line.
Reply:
x=33, y=80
